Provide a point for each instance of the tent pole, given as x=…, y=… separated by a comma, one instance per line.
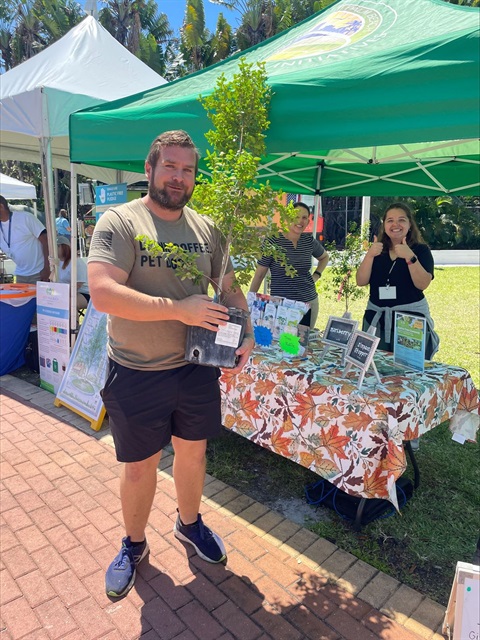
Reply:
x=366, y=203
x=46, y=166
x=317, y=202
x=73, y=247
x=47, y=182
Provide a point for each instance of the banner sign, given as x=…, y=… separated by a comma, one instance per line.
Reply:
x=109, y=195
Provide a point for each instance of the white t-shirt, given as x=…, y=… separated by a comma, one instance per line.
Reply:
x=65, y=275
x=21, y=232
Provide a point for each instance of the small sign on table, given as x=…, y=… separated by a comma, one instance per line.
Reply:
x=360, y=354
x=338, y=333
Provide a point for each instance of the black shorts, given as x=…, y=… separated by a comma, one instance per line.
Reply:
x=145, y=408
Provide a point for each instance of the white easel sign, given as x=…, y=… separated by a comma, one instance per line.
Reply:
x=360, y=353
x=338, y=333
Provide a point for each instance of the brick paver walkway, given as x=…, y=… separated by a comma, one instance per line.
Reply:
x=61, y=526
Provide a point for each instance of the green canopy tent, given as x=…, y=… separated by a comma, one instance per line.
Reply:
x=369, y=98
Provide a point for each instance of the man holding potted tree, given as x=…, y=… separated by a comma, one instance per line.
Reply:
x=151, y=394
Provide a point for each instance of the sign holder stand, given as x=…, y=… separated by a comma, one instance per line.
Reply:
x=366, y=342
x=95, y=424
x=363, y=372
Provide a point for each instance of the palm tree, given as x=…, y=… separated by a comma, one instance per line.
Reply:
x=261, y=19
x=139, y=26
x=57, y=17
x=194, y=36
x=31, y=25
x=222, y=41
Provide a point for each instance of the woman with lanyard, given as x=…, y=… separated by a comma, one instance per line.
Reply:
x=398, y=267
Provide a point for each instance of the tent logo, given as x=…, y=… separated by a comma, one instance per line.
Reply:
x=338, y=30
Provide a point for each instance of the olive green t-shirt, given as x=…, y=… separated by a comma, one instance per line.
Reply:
x=160, y=344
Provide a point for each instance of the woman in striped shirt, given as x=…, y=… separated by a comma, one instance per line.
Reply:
x=299, y=248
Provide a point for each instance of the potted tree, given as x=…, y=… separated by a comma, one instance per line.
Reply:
x=241, y=207
x=344, y=264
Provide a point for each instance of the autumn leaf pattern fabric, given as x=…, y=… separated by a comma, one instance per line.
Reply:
x=306, y=412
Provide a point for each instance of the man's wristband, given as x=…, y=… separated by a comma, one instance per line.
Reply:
x=249, y=335
x=319, y=273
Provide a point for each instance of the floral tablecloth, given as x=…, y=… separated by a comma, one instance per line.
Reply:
x=306, y=411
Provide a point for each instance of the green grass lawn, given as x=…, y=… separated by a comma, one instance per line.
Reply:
x=440, y=525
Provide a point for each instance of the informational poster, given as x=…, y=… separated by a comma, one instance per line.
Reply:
x=109, y=195
x=53, y=329
x=409, y=340
x=86, y=372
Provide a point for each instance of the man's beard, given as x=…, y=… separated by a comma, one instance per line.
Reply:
x=166, y=201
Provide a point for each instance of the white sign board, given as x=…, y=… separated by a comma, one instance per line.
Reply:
x=463, y=611
x=86, y=372
x=53, y=328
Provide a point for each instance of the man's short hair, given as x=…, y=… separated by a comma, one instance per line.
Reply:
x=4, y=202
x=177, y=138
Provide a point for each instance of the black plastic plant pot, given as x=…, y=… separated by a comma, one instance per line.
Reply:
x=214, y=349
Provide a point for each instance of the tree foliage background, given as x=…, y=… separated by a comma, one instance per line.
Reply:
x=28, y=26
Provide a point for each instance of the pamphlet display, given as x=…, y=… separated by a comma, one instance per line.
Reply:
x=360, y=353
x=409, y=343
x=86, y=373
x=277, y=319
x=53, y=329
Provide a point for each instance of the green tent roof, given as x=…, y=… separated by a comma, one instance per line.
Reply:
x=369, y=98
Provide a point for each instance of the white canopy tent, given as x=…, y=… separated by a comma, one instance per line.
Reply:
x=13, y=189
x=84, y=68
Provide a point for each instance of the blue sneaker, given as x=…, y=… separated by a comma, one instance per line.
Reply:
x=207, y=544
x=121, y=573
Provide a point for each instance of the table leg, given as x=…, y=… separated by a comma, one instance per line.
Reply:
x=416, y=470
x=357, y=524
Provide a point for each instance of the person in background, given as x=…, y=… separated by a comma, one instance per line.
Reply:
x=23, y=239
x=398, y=266
x=152, y=395
x=65, y=271
x=63, y=225
x=299, y=248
